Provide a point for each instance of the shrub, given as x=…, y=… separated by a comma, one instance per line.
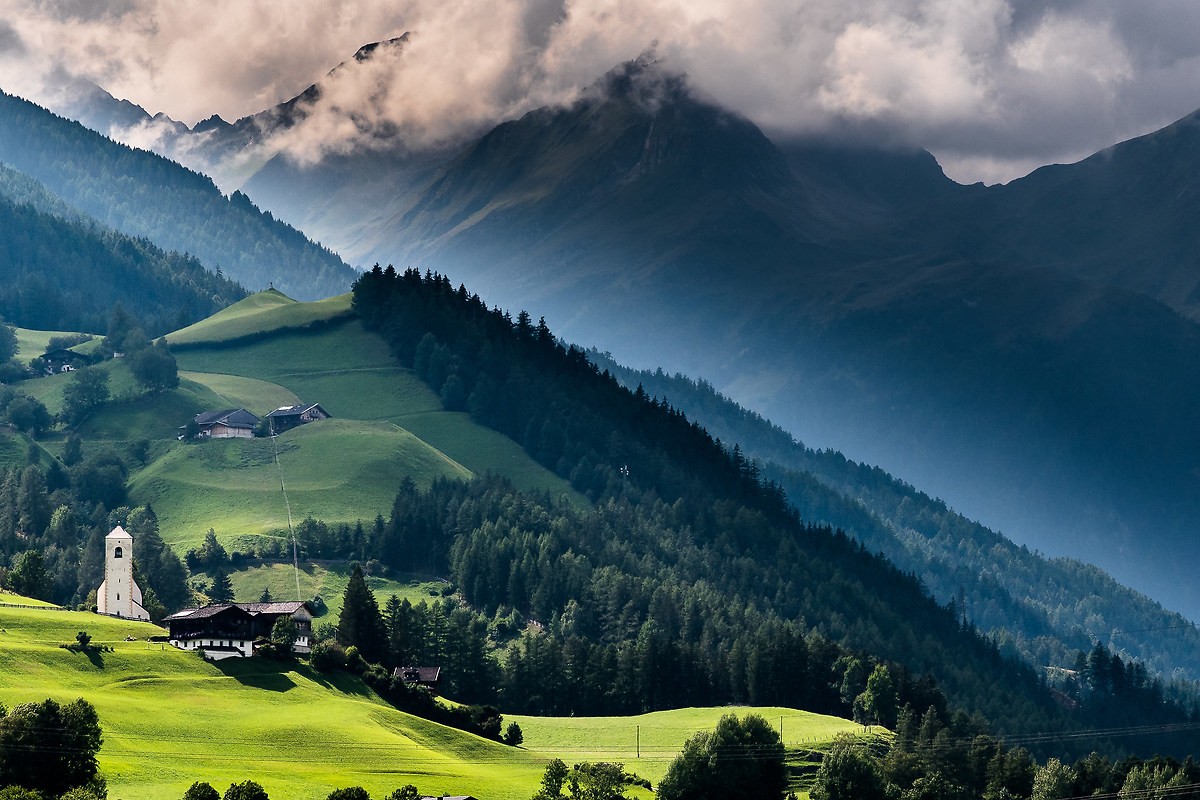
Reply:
x=350, y=793
x=201, y=791
x=246, y=790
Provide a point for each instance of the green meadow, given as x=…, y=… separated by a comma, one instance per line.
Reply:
x=327, y=579
x=265, y=311
x=170, y=718
x=386, y=425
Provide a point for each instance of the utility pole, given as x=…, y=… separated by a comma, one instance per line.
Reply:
x=639, y=741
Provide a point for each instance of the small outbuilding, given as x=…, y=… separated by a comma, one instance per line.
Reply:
x=429, y=677
x=288, y=417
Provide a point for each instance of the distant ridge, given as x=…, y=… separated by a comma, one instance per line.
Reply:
x=145, y=195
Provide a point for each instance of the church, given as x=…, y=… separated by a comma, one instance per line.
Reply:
x=119, y=595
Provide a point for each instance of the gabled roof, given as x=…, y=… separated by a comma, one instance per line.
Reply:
x=286, y=607
x=418, y=674
x=232, y=417
x=211, y=610
x=295, y=411
x=118, y=533
x=254, y=609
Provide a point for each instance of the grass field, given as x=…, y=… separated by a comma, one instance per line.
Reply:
x=265, y=311
x=169, y=718
x=327, y=579
x=387, y=424
x=647, y=744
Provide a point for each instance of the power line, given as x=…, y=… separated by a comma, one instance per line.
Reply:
x=287, y=503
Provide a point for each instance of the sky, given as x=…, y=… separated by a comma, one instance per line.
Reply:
x=993, y=88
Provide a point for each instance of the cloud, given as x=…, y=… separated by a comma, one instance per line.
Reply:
x=990, y=86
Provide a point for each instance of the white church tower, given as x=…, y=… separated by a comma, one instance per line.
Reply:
x=118, y=595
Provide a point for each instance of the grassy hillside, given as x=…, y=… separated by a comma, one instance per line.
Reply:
x=327, y=579
x=658, y=736
x=170, y=718
x=259, y=313
x=386, y=425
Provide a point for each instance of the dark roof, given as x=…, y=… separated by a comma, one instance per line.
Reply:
x=295, y=411
x=232, y=417
x=286, y=607
x=418, y=674
x=211, y=610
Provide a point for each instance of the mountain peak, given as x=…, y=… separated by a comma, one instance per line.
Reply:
x=367, y=50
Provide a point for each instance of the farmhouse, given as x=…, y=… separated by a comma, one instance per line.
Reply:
x=229, y=630
x=62, y=360
x=232, y=423
x=429, y=677
x=288, y=417
x=119, y=595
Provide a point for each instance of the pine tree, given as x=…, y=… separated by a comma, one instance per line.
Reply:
x=222, y=589
x=360, y=623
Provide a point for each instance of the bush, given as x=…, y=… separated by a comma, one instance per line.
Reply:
x=201, y=791
x=246, y=790
x=328, y=655
x=351, y=793
x=513, y=735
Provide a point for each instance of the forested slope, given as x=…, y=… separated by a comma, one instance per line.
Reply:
x=62, y=270
x=145, y=195
x=1045, y=608
x=691, y=580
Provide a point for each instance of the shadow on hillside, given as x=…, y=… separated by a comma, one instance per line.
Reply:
x=255, y=676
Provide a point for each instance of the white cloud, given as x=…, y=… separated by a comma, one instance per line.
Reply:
x=990, y=86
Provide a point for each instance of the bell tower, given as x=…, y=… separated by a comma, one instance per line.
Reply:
x=119, y=595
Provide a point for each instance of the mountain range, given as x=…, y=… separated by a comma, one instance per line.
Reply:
x=1022, y=351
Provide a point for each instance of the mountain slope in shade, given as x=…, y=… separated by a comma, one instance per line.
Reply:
x=1045, y=609
x=62, y=270
x=836, y=291
x=1124, y=217
x=145, y=195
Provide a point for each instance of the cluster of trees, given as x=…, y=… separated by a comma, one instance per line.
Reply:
x=929, y=759
x=52, y=529
x=252, y=790
x=49, y=749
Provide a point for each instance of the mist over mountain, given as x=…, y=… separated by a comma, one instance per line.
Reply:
x=1018, y=350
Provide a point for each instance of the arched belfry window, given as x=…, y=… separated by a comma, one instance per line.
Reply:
x=116, y=552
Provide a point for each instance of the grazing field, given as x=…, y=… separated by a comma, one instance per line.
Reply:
x=327, y=579
x=170, y=718
x=259, y=313
x=261, y=354
x=335, y=470
x=647, y=744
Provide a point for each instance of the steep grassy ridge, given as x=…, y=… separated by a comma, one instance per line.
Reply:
x=387, y=425
x=266, y=311
x=338, y=469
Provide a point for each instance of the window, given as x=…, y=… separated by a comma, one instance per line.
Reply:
x=116, y=552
